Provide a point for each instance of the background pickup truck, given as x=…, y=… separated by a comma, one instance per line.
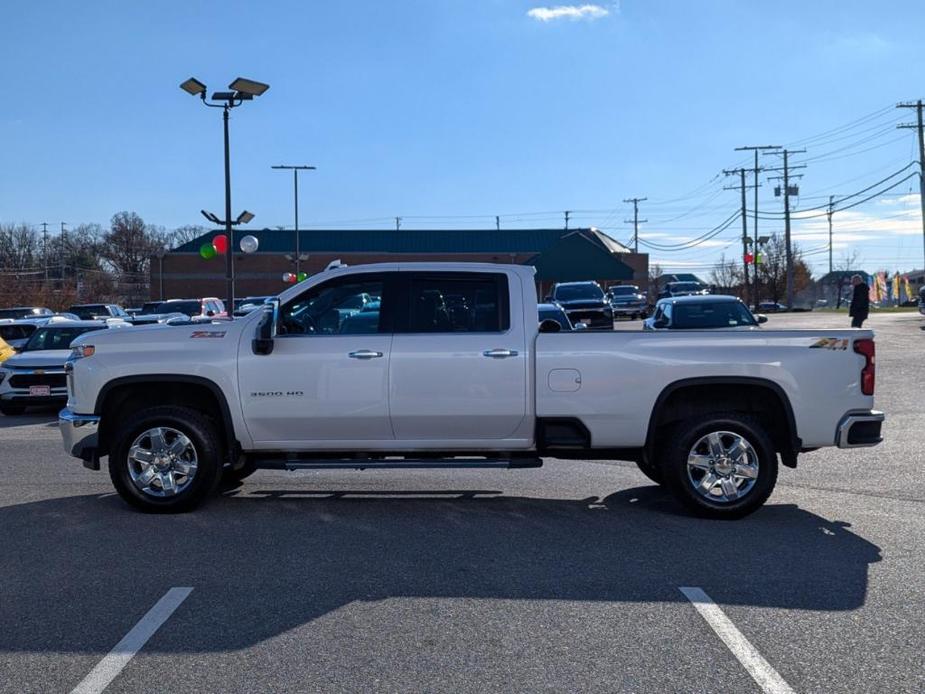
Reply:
x=446, y=366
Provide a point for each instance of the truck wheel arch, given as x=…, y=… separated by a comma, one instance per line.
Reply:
x=719, y=393
x=165, y=389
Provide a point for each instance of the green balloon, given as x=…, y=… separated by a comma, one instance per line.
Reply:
x=302, y=276
x=207, y=251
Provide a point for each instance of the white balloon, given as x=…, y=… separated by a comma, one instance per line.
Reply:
x=249, y=244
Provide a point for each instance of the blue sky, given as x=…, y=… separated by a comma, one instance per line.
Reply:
x=434, y=109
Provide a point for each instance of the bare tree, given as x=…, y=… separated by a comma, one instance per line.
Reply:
x=846, y=263
x=655, y=280
x=726, y=275
x=185, y=234
x=19, y=247
x=772, y=271
x=129, y=244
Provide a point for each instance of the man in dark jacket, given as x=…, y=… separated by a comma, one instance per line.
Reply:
x=860, y=302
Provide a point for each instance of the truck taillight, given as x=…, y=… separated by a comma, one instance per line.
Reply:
x=866, y=348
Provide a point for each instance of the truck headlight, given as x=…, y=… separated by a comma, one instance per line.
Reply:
x=81, y=351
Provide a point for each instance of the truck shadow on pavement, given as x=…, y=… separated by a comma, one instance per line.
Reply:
x=78, y=572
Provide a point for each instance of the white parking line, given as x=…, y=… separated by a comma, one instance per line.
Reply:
x=759, y=668
x=111, y=665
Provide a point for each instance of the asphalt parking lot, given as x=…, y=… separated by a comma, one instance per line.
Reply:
x=564, y=578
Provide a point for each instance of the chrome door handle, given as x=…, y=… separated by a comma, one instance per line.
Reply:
x=499, y=353
x=364, y=354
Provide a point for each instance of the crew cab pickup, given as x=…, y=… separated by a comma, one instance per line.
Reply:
x=446, y=366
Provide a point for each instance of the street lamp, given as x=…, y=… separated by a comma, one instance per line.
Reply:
x=242, y=90
x=295, y=182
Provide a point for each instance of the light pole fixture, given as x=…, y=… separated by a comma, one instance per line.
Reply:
x=295, y=168
x=242, y=90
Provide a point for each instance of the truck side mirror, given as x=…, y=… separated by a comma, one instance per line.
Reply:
x=660, y=323
x=762, y=318
x=266, y=329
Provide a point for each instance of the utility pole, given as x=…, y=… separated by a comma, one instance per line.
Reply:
x=635, y=221
x=829, y=215
x=786, y=179
x=45, y=249
x=295, y=185
x=63, y=244
x=567, y=215
x=742, y=187
x=756, y=170
x=921, y=130
x=397, y=223
x=498, y=222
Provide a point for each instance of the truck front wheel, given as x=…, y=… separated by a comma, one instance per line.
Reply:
x=165, y=459
x=720, y=465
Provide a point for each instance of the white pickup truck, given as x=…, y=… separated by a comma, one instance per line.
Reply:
x=445, y=365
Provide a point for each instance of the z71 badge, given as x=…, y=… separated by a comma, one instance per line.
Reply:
x=207, y=333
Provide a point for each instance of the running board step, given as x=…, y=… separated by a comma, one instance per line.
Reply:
x=390, y=464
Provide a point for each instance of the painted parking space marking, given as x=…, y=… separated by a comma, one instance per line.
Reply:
x=753, y=662
x=116, y=660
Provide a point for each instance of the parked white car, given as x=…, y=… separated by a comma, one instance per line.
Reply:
x=35, y=376
x=449, y=369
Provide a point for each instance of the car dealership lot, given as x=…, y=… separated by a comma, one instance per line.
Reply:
x=564, y=578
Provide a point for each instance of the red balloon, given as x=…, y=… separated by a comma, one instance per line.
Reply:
x=220, y=244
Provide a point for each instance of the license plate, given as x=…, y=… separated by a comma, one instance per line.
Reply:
x=39, y=390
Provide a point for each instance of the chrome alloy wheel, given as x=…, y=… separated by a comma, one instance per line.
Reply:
x=722, y=466
x=162, y=462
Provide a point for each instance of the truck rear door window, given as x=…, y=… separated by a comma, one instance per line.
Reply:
x=459, y=303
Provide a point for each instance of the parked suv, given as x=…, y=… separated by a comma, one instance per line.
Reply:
x=18, y=312
x=627, y=300
x=682, y=289
x=584, y=302
x=94, y=311
x=712, y=312
x=207, y=307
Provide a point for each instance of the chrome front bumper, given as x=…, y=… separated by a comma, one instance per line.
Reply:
x=859, y=429
x=79, y=432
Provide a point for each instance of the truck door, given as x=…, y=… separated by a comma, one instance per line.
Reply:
x=459, y=362
x=327, y=377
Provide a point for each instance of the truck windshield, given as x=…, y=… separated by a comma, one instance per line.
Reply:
x=18, y=312
x=624, y=290
x=89, y=312
x=725, y=314
x=190, y=308
x=575, y=292
x=57, y=338
x=680, y=287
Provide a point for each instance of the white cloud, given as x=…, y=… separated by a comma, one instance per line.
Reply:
x=572, y=12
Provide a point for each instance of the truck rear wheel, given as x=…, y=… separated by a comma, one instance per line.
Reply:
x=165, y=459
x=720, y=466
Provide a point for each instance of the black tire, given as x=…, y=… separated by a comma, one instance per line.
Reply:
x=680, y=441
x=199, y=429
x=650, y=470
x=12, y=410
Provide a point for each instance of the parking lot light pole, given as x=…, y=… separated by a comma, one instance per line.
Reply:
x=295, y=185
x=241, y=90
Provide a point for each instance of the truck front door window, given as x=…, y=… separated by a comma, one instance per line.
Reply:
x=335, y=308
